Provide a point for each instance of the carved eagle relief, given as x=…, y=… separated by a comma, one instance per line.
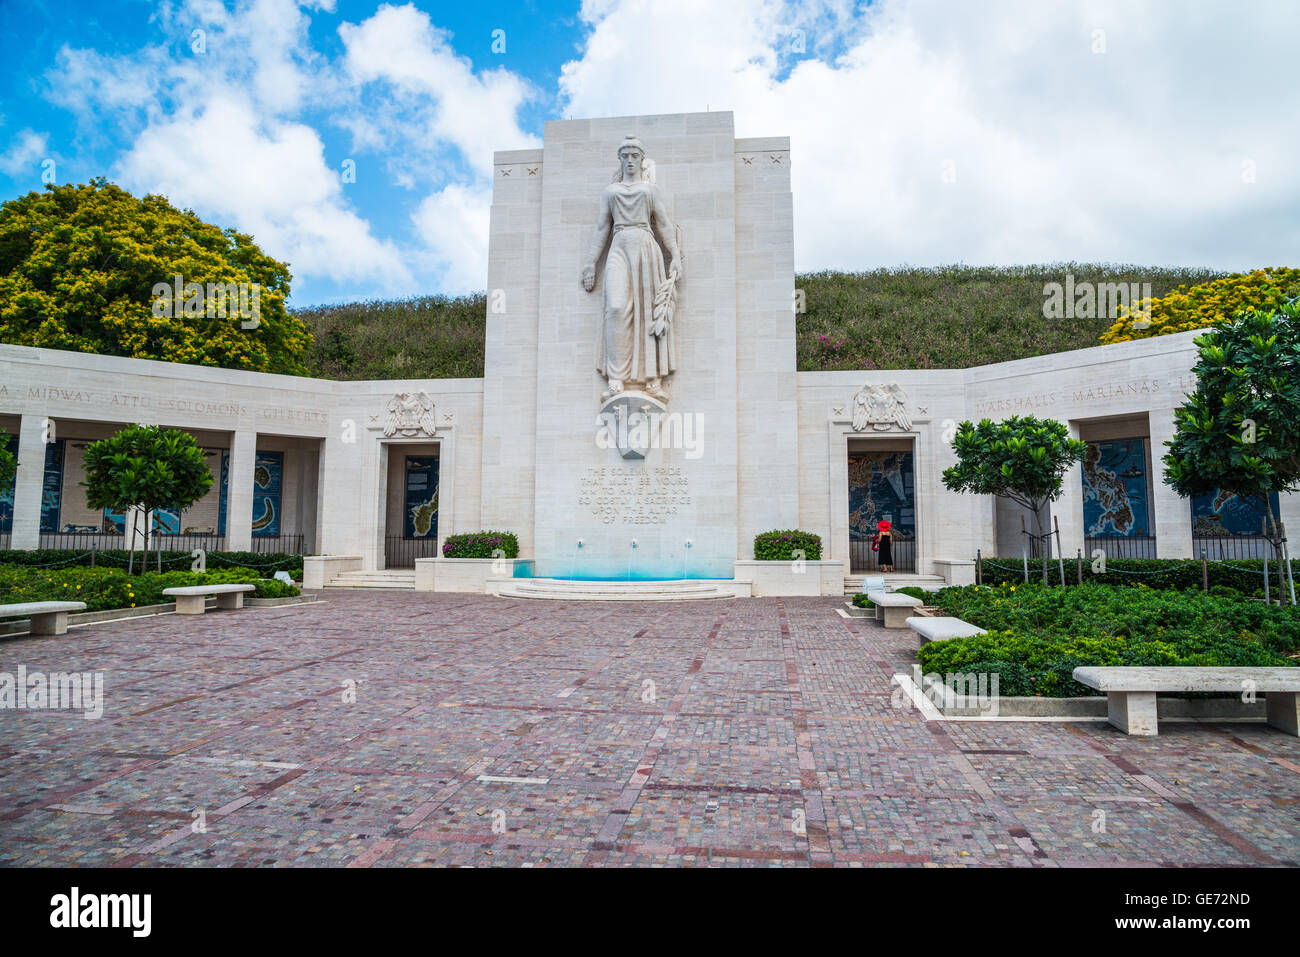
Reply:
x=881, y=407
x=410, y=413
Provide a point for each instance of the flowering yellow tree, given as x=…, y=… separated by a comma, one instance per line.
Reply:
x=1204, y=305
x=91, y=268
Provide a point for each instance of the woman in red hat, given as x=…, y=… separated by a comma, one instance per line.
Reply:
x=885, y=541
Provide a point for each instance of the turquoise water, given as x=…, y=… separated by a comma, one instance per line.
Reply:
x=605, y=563
x=634, y=577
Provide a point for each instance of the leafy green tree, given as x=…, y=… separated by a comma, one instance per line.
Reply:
x=145, y=467
x=83, y=268
x=1022, y=458
x=8, y=463
x=1239, y=431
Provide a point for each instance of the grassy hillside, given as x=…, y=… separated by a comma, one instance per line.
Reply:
x=905, y=318
x=953, y=317
x=428, y=337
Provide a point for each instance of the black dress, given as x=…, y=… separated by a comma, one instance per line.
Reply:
x=886, y=556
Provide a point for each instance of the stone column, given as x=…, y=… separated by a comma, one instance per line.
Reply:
x=239, y=493
x=1068, y=509
x=1171, y=513
x=28, y=482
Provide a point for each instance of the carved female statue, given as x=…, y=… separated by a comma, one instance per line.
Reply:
x=637, y=342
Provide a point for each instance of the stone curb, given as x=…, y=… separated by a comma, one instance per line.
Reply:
x=1190, y=709
x=18, y=628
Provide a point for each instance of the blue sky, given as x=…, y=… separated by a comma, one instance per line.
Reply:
x=923, y=131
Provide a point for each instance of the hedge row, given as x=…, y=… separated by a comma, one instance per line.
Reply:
x=1242, y=575
x=780, y=546
x=1048, y=632
x=106, y=588
x=481, y=545
x=267, y=563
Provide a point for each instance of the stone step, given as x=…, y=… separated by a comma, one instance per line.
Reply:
x=388, y=578
x=893, y=582
x=562, y=590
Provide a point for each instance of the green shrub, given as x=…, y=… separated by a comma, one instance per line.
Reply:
x=481, y=545
x=1051, y=631
x=1058, y=679
x=268, y=563
x=862, y=601
x=780, y=546
x=915, y=591
x=273, y=588
x=1013, y=677
x=1245, y=576
x=108, y=588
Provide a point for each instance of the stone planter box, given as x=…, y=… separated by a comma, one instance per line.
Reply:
x=319, y=570
x=467, y=574
x=1188, y=709
x=276, y=602
x=955, y=571
x=824, y=577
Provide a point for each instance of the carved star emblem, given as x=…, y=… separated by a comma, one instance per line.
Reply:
x=532, y=171
x=922, y=410
x=776, y=158
x=837, y=410
x=448, y=416
x=505, y=171
x=747, y=160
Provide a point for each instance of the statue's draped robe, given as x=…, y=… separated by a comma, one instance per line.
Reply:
x=627, y=352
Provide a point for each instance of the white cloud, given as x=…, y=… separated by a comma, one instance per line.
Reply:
x=1134, y=154
x=219, y=118
x=453, y=224
x=1058, y=152
x=436, y=87
x=271, y=178
x=27, y=149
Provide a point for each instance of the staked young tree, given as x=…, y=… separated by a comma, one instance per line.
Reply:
x=1239, y=431
x=145, y=467
x=1022, y=458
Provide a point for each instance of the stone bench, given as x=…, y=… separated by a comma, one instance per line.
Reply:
x=895, y=607
x=192, y=599
x=940, y=628
x=48, y=617
x=1131, y=692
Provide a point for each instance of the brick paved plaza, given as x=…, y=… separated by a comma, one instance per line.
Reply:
x=763, y=710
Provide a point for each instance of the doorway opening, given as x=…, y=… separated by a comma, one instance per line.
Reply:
x=411, y=529
x=882, y=487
